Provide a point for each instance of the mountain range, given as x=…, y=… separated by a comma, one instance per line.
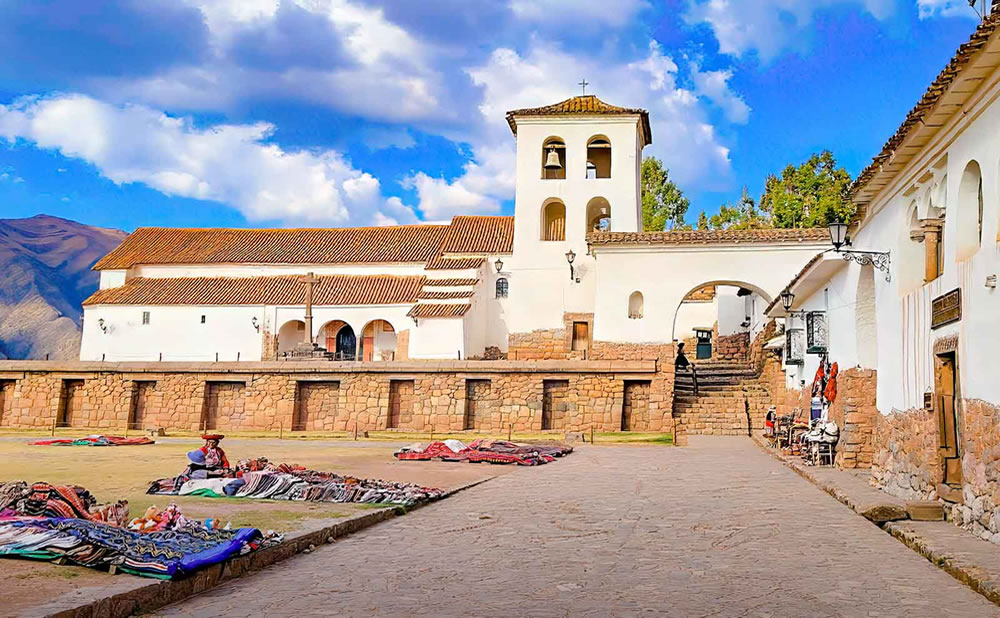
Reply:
x=45, y=275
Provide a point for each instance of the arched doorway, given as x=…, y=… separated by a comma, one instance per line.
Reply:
x=291, y=334
x=378, y=341
x=725, y=307
x=338, y=338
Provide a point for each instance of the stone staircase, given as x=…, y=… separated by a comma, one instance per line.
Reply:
x=718, y=407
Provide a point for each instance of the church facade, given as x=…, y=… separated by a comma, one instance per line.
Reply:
x=571, y=269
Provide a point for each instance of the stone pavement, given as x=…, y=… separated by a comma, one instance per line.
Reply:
x=716, y=529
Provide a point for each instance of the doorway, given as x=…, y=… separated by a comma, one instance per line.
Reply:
x=400, y=404
x=71, y=403
x=946, y=388
x=581, y=337
x=555, y=394
x=141, y=398
x=476, y=407
x=635, y=406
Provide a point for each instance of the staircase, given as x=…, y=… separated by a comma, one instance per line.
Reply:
x=718, y=406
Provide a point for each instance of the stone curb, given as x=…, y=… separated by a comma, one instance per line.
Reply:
x=158, y=594
x=964, y=571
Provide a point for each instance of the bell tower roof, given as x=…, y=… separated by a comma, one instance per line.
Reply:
x=586, y=105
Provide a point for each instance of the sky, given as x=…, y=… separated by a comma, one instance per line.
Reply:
x=263, y=113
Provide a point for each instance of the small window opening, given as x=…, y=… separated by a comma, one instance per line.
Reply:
x=599, y=157
x=145, y=318
x=635, y=306
x=554, y=221
x=554, y=159
x=502, y=287
x=202, y=319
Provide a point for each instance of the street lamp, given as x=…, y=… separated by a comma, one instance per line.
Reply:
x=787, y=298
x=498, y=265
x=255, y=323
x=839, y=238
x=570, y=256
x=101, y=325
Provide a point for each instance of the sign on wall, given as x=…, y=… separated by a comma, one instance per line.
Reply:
x=946, y=308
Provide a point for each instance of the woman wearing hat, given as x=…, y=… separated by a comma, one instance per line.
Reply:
x=209, y=460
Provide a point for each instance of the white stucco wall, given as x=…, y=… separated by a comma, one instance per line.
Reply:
x=438, y=338
x=666, y=274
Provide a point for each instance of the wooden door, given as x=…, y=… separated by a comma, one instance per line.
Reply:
x=476, y=410
x=635, y=406
x=581, y=336
x=400, y=404
x=946, y=376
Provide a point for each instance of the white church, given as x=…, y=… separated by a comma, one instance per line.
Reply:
x=573, y=258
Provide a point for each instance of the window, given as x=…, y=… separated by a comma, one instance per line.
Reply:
x=816, y=332
x=599, y=157
x=202, y=319
x=969, y=227
x=635, y=308
x=554, y=221
x=554, y=159
x=581, y=337
x=502, y=287
x=598, y=215
x=145, y=318
x=794, y=354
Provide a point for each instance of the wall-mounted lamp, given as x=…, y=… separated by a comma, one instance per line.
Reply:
x=839, y=238
x=991, y=282
x=570, y=256
x=787, y=300
x=415, y=321
x=256, y=324
x=102, y=326
x=498, y=265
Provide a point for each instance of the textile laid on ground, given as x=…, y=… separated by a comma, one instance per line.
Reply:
x=94, y=441
x=162, y=554
x=491, y=451
x=258, y=478
x=18, y=499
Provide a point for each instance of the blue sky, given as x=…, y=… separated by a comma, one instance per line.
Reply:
x=126, y=113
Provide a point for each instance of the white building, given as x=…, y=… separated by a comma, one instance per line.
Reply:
x=462, y=290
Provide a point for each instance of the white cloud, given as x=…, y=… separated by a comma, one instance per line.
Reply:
x=577, y=12
x=233, y=164
x=768, y=26
x=440, y=199
x=714, y=86
x=947, y=8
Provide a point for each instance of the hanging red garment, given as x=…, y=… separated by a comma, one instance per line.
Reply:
x=831, y=385
x=819, y=380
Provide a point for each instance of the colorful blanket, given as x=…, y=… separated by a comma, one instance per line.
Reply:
x=94, y=441
x=162, y=554
x=18, y=499
x=490, y=451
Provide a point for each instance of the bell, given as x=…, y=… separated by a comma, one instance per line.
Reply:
x=552, y=160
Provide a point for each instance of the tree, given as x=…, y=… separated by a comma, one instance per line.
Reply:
x=740, y=216
x=663, y=203
x=810, y=195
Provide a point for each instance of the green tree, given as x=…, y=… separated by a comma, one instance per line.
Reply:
x=810, y=195
x=663, y=203
x=702, y=221
x=743, y=215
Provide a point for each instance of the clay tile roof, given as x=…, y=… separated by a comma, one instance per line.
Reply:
x=587, y=105
x=932, y=96
x=709, y=237
x=446, y=295
x=479, y=235
x=448, y=283
x=283, y=290
x=438, y=310
x=795, y=279
x=440, y=262
x=373, y=245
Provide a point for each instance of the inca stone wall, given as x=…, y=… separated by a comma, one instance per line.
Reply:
x=266, y=396
x=854, y=412
x=731, y=348
x=906, y=461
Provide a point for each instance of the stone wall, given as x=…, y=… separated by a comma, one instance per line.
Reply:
x=980, y=510
x=266, y=396
x=906, y=459
x=551, y=344
x=854, y=412
x=733, y=348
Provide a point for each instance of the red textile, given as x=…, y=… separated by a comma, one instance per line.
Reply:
x=222, y=455
x=831, y=384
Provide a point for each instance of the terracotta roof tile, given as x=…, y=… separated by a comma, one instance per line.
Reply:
x=587, y=105
x=439, y=262
x=445, y=295
x=438, y=310
x=709, y=237
x=405, y=243
x=284, y=290
x=448, y=283
x=479, y=235
x=930, y=99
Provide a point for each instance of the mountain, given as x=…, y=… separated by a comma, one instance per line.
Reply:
x=45, y=276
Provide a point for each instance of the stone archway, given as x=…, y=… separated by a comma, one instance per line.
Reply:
x=338, y=337
x=378, y=341
x=753, y=288
x=291, y=333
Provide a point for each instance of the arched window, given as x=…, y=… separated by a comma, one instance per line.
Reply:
x=554, y=221
x=969, y=227
x=911, y=263
x=502, y=287
x=598, y=157
x=598, y=215
x=635, y=308
x=554, y=159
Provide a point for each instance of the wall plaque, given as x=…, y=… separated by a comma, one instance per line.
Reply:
x=946, y=308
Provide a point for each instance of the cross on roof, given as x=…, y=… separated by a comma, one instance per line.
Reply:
x=583, y=84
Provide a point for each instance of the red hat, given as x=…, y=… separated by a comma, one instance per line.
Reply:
x=212, y=436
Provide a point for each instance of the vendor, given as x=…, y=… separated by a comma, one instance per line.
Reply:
x=209, y=460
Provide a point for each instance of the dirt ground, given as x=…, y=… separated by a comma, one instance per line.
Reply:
x=124, y=472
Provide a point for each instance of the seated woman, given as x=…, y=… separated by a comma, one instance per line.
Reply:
x=210, y=460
